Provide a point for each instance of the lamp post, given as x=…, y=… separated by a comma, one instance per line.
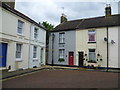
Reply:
x=53, y=35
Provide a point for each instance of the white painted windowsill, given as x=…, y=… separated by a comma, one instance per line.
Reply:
x=18, y=60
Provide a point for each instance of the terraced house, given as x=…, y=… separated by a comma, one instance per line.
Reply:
x=86, y=42
x=22, y=40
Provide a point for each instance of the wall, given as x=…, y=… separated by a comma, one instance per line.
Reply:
x=100, y=45
x=113, y=48
x=40, y=42
x=68, y=46
x=10, y=36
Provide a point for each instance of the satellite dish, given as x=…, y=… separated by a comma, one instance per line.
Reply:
x=112, y=41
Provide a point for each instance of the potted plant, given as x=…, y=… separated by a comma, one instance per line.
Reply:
x=61, y=59
x=92, y=61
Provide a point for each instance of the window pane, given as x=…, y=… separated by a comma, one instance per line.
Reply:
x=91, y=35
x=61, y=37
x=92, y=54
x=35, y=33
x=20, y=27
x=18, y=50
x=34, y=52
x=61, y=53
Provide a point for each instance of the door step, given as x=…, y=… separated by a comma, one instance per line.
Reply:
x=3, y=68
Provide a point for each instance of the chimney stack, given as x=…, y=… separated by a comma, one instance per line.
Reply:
x=108, y=10
x=63, y=18
x=10, y=3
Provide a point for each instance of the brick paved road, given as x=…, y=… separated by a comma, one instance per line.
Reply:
x=64, y=79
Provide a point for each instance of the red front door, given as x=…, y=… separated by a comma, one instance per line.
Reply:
x=71, y=58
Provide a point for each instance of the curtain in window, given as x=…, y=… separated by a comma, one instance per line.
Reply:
x=91, y=35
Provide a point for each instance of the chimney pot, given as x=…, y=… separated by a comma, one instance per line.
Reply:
x=108, y=10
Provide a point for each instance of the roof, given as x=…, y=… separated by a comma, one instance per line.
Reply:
x=21, y=15
x=88, y=23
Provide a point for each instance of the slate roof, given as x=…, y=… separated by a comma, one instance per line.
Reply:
x=5, y=6
x=97, y=22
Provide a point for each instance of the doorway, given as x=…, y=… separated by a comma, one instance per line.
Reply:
x=3, y=54
x=80, y=58
x=71, y=58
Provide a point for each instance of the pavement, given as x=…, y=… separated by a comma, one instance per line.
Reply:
x=6, y=74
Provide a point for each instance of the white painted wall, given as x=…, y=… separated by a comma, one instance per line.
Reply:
x=100, y=45
x=40, y=42
x=113, y=48
x=10, y=36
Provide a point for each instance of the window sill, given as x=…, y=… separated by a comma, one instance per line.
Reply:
x=91, y=42
x=35, y=58
x=19, y=60
x=20, y=34
x=61, y=43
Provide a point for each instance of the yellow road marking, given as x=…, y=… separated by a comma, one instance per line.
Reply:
x=19, y=76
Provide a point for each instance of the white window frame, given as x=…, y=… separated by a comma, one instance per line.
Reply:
x=19, y=51
x=62, y=38
x=92, y=53
x=61, y=53
x=36, y=33
x=18, y=27
x=91, y=32
x=34, y=52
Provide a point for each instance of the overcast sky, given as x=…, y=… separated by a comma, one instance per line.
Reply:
x=50, y=10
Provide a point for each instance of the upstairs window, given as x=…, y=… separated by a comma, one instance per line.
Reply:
x=61, y=53
x=61, y=37
x=18, y=51
x=35, y=33
x=91, y=36
x=34, y=51
x=20, y=27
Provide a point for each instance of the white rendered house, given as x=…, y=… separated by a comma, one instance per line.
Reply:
x=16, y=41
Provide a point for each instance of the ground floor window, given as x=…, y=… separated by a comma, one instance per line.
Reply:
x=61, y=53
x=34, y=51
x=92, y=55
x=18, y=51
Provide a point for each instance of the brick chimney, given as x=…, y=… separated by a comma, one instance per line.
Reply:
x=10, y=3
x=63, y=18
x=108, y=10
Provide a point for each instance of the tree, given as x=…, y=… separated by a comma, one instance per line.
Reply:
x=49, y=27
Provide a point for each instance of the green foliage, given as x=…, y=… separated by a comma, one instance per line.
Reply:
x=92, y=61
x=61, y=59
x=49, y=27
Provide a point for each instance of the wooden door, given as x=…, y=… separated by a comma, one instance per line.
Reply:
x=3, y=54
x=71, y=58
x=80, y=58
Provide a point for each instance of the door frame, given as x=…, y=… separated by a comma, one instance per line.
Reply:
x=6, y=53
x=69, y=58
x=79, y=59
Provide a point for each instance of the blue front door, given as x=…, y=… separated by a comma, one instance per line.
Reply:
x=3, y=54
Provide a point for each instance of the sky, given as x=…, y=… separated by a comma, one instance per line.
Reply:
x=51, y=10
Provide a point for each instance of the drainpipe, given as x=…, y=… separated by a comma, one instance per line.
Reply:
x=53, y=48
x=107, y=51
